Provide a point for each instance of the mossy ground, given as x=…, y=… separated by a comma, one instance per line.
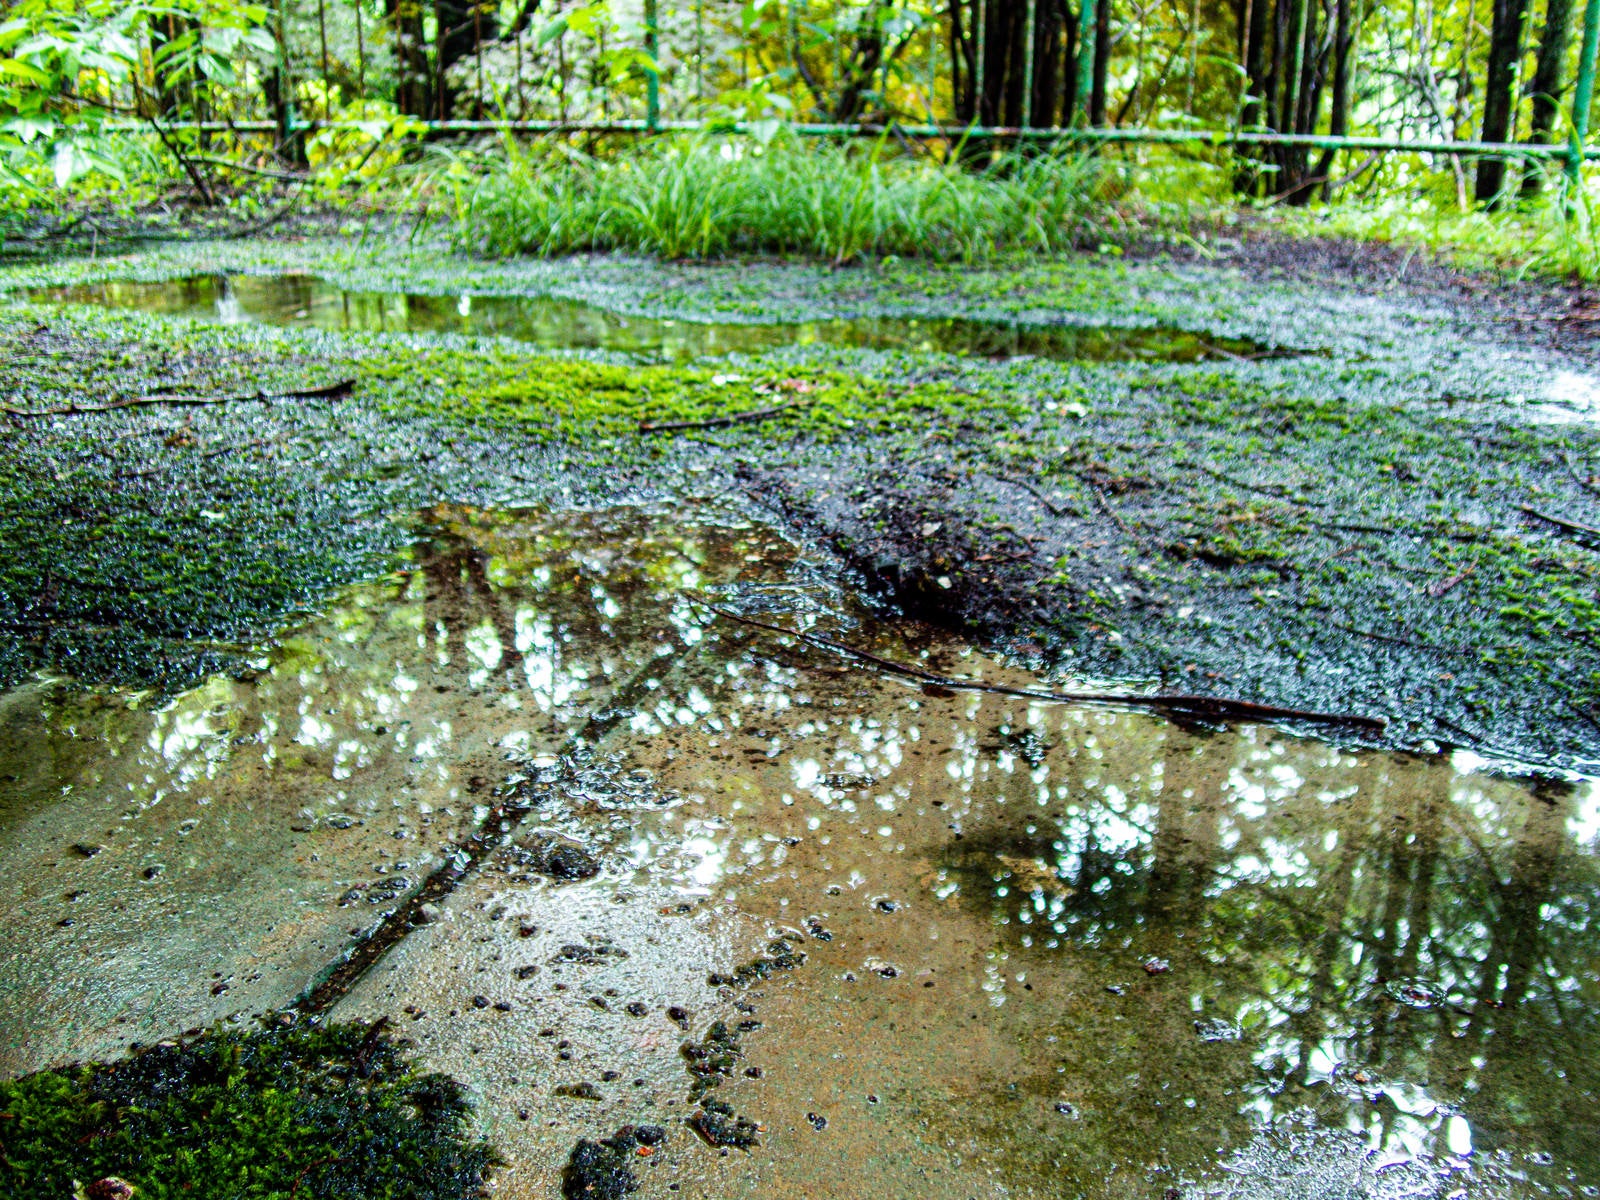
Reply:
x=1341, y=529
x=332, y=1112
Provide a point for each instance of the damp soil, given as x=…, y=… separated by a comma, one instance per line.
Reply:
x=403, y=702
x=837, y=932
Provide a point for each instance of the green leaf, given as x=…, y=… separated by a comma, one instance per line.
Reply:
x=22, y=70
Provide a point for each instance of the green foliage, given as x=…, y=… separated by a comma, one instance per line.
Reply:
x=332, y=1112
x=703, y=197
x=66, y=67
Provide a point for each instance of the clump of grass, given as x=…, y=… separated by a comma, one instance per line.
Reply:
x=318, y=1113
x=706, y=196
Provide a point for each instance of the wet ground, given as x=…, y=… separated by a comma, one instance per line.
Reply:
x=423, y=705
x=1293, y=492
x=923, y=941
x=1024, y=945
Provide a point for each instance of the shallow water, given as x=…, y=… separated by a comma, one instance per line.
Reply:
x=1048, y=949
x=550, y=323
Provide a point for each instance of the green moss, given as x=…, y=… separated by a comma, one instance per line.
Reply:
x=333, y=1112
x=111, y=573
x=602, y=405
x=1341, y=530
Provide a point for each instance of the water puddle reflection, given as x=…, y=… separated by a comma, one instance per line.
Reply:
x=964, y=945
x=309, y=302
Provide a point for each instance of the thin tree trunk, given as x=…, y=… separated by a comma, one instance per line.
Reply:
x=1547, y=86
x=1253, y=109
x=961, y=66
x=1102, y=61
x=1339, y=118
x=412, y=89
x=1001, y=100
x=1499, y=104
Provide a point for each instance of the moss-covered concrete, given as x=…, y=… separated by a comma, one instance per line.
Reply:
x=1342, y=529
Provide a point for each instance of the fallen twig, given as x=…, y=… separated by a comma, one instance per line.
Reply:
x=1208, y=706
x=1276, y=491
x=759, y=414
x=1573, y=526
x=1055, y=510
x=247, y=168
x=1258, y=356
x=1397, y=641
x=342, y=388
x=1445, y=586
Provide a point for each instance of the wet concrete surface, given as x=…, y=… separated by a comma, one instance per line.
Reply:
x=929, y=942
x=305, y=301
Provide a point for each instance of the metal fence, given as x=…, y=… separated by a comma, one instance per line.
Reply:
x=664, y=73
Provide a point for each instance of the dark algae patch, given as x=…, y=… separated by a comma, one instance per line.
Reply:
x=603, y=1170
x=335, y=1112
x=109, y=574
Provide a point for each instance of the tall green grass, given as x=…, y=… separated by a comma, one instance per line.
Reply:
x=708, y=196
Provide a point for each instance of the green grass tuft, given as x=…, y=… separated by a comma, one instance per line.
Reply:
x=705, y=197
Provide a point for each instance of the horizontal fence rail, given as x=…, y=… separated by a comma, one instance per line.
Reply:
x=1194, y=137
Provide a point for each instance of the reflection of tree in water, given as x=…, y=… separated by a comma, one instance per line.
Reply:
x=1431, y=934
x=568, y=600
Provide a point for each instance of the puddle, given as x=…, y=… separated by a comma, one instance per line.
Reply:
x=553, y=324
x=957, y=944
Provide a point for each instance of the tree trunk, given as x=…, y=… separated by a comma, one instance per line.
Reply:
x=1005, y=24
x=863, y=66
x=460, y=25
x=1339, y=119
x=1102, y=60
x=1547, y=86
x=1294, y=109
x=1499, y=105
x=1069, y=62
x=961, y=66
x=412, y=83
x=1253, y=107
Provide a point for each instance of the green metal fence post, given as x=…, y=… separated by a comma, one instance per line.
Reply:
x=977, y=71
x=652, y=80
x=1583, y=93
x=1086, y=35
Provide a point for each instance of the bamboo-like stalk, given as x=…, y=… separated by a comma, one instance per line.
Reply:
x=1583, y=95
x=361, y=54
x=1026, y=114
x=652, y=79
x=1086, y=35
